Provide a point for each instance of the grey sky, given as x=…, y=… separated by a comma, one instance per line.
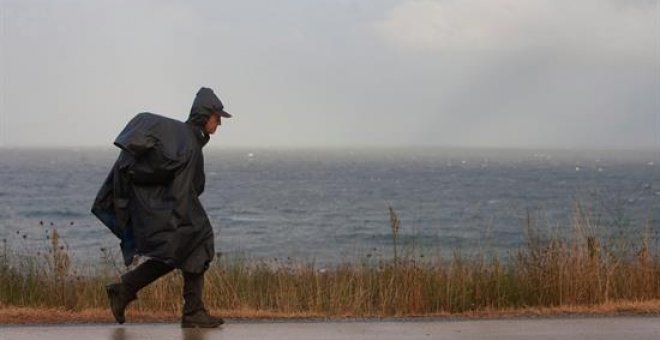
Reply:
x=507, y=73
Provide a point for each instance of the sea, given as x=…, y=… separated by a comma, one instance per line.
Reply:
x=329, y=206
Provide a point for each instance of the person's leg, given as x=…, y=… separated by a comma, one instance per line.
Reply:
x=144, y=274
x=121, y=294
x=194, y=313
x=193, y=289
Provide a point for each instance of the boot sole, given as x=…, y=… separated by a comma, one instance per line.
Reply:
x=200, y=326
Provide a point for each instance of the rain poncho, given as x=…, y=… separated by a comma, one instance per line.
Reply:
x=150, y=198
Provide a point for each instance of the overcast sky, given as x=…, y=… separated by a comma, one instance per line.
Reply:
x=505, y=73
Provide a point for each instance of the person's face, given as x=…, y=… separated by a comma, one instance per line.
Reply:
x=212, y=124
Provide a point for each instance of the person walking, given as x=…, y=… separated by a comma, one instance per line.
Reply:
x=150, y=201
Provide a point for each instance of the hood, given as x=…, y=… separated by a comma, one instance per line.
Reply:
x=204, y=105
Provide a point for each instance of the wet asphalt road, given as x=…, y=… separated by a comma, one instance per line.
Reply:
x=627, y=328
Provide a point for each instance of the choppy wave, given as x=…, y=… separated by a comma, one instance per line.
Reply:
x=328, y=204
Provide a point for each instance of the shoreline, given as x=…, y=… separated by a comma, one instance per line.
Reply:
x=22, y=316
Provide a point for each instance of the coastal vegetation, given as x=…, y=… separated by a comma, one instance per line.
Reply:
x=578, y=271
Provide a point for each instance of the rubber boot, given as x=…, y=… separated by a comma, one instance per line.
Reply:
x=194, y=313
x=200, y=319
x=121, y=294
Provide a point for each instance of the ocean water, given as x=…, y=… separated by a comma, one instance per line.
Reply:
x=331, y=205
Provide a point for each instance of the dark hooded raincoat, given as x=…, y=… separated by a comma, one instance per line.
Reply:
x=150, y=198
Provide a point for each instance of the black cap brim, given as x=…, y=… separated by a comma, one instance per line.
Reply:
x=225, y=114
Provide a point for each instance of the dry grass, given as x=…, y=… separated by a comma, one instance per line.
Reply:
x=549, y=276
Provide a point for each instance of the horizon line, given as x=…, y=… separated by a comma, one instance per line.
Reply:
x=361, y=147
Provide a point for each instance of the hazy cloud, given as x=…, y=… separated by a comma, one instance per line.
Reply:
x=593, y=26
x=337, y=73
